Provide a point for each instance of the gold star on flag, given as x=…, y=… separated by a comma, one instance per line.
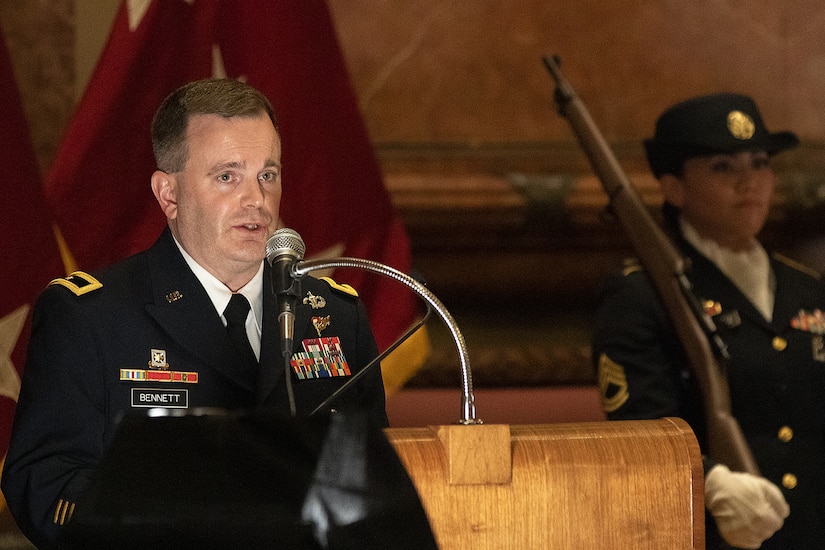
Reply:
x=137, y=9
x=218, y=68
x=10, y=328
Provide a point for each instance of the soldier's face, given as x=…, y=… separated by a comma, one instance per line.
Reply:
x=725, y=197
x=225, y=202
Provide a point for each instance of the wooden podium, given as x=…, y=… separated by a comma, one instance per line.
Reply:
x=600, y=485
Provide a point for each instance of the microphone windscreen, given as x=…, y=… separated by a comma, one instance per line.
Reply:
x=285, y=242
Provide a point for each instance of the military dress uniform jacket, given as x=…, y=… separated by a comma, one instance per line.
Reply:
x=144, y=333
x=776, y=375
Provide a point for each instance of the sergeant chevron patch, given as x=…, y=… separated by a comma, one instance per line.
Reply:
x=612, y=384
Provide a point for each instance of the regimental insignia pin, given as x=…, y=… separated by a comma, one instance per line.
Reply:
x=158, y=359
x=740, y=125
x=315, y=302
x=174, y=296
x=320, y=323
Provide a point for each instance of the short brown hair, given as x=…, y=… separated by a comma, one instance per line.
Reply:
x=212, y=96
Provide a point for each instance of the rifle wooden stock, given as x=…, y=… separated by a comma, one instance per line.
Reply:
x=666, y=268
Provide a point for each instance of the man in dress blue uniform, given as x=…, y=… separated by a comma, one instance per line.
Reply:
x=150, y=330
x=711, y=155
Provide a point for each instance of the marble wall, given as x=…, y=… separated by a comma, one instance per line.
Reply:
x=461, y=111
x=469, y=71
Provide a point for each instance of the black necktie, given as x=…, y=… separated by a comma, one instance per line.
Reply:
x=235, y=315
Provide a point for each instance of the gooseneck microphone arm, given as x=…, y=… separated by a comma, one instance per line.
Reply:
x=468, y=408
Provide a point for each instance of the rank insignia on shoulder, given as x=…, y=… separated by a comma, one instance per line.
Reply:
x=346, y=289
x=78, y=282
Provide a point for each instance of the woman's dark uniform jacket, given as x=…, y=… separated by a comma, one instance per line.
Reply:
x=85, y=346
x=776, y=375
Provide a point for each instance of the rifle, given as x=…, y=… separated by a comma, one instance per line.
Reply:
x=667, y=270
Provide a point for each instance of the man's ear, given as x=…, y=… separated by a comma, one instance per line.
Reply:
x=673, y=189
x=165, y=188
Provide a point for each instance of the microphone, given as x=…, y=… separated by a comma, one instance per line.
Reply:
x=468, y=407
x=283, y=250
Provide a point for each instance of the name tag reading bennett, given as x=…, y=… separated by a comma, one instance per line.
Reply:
x=159, y=371
x=150, y=397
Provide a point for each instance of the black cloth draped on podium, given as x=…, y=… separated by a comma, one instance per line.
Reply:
x=249, y=480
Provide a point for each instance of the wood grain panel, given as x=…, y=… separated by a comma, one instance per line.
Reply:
x=634, y=485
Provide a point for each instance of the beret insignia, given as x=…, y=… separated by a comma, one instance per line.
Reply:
x=78, y=282
x=740, y=125
x=346, y=289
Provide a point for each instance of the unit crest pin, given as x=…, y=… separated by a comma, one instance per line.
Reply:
x=158, y=359
x=320, y=323
x=315, y=302
x=740, y=125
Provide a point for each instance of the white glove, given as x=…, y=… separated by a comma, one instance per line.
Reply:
x=748, y=509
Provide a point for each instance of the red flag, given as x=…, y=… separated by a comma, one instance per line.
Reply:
x=333, y=189
x=27, y=243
